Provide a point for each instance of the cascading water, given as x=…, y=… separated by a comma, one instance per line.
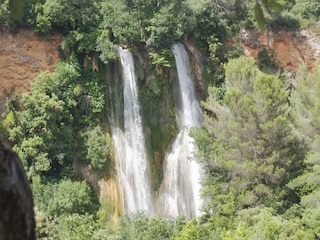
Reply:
x=129, y=144
x=179, y=193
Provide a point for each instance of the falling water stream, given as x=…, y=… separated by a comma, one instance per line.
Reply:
x=179, y=193
x=129, y=143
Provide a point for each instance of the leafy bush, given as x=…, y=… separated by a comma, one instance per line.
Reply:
x=43, y=129
x=76, y=227
x=266, y=61
x=81, y=42
x=285, y=21
x=168, y=25
x=250, y=152
x=70, y=197
x=96, y=148
x=140, y=226
x=106, y=47
x=306, y=8
x=118, y=18
x=71, y=15
x=5, y=15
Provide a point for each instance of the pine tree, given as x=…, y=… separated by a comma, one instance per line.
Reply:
x=306, y=100
x=247, y=144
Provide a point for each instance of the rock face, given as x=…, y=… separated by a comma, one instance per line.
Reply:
x=23, y=55
x=16, y=203
x=291, y=49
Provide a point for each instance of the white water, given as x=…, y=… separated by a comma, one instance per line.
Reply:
x=180, y=190
x=130, y=150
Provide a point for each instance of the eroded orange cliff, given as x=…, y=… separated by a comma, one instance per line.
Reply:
x=23, y=55
x=291, y=49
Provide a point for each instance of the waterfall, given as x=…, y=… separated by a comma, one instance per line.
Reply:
x=129, y=144
x=179, y=193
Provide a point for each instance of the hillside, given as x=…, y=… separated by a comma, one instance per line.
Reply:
x=291, y=49
x=23, y=56
x=193, y=119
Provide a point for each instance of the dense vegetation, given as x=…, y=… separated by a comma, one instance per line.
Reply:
x=258, y=144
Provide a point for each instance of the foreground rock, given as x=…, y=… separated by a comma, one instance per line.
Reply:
x=16, y=203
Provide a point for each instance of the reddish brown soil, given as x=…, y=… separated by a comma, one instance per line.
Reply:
x=290, y=49
x=23, y=55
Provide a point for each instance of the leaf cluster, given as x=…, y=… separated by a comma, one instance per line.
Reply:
x=260, y=154
x=46, y=129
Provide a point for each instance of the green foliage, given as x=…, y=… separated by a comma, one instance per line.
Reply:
x=259, y=16
x=106, y=47
x=96, y=148
x=71, y=15
x=42, y=24
x=4, y=12
x=306, y=8
x=263, y=223
x=16, y=8
x=306, y=102
x=189, y=232
x=78, y=20
x=45, y=226
x=168, y=25
x=249, y=150
x=250, y=153
x=43, y=131
x=205, y=22
x=262, y=7
x=76, y=227
x=45, y=128
x=105, y=213
x=164, y=58
x=254, y=173
x=157, y=108
x=286, y=21
x=71, y=198
x=90, y=98
x=65, y=210
x=214, y=46
x=118, y=18
x=195, y=19
x=139, y=226
x=267, y=62
x=6, y=16
x=232, y=52
x=310, y=219
x=61, y=200
x=82, y=42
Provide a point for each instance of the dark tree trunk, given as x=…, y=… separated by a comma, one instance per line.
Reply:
x=16, y=203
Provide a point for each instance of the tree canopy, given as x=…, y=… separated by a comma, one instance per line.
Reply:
x=258, y=143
